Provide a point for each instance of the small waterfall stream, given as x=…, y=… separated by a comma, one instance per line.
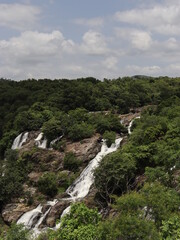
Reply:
x=33, y=219
x=130, y=124
x=80, y=188
x=40, y=141
x=20, y=140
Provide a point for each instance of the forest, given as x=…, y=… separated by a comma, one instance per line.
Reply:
x=137, y=187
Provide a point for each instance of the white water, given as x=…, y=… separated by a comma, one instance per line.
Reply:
x=28, y=218
x=35, y=217
x=130, y=125
x=19, y=140
x=55, y=140
x=40, y=141
x=80, y=188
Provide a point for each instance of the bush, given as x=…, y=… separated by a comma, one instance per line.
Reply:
x=52, y=129
x=17, y=232
x=110, y=137
x=47, y=184
x=115, y=173
x=80, y=131
x=81, y=223
x=65, y=179
x=11, y=177
x=170, y=229
x=60, y=146
x=71, y=162
x=109, y=122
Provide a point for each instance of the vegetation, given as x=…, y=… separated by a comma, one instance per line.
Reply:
x=80, y=224
x=110, y=137
x=139, y=183
x=47, y=184
x=71, y=162
x=16, y=232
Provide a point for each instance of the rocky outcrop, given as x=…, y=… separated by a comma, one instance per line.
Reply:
x=86, y=149
x=12, y=212
x=55, y=213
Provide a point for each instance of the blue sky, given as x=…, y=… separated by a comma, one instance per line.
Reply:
x=80, y=38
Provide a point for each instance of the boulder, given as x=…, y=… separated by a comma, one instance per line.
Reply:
x=56, y=212
x=12, y=212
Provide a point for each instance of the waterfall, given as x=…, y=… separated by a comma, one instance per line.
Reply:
x=130, y=124
x=55, y=140
x=19, y=140
x=80, y=188
x=40, y=141
x=33, y=219
x=29, y=218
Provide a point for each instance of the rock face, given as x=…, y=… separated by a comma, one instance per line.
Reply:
x=12, y=212
x=86, y=149
x=55, y=213
x=44, y=160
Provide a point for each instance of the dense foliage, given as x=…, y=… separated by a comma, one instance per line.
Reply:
x=27, y=105
x=139, y=184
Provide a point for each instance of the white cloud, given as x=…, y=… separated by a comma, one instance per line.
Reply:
x=94, y=43
x=93, y=22
x=139, y=39
x=163, y=18
x=110, y=63
x=35, y=47
x=18, y=16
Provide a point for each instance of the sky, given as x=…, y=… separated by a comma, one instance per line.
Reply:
x=80, y=38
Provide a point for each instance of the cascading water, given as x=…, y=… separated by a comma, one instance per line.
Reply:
x=29, y=218
x=55, y=140
x=78, y=190
x=40, y=141
x=34, y=218
x=20, y=140
x=130, y=124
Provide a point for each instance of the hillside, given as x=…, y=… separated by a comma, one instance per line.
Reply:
x=53, y=154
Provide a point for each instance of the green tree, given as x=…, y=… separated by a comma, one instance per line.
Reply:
x=16, y=232
x=81, y=223
x=110, y=137
x=80, y=131
x=52, y=129
x=115, y=174
x=47, y=184
x=170, y=229
x=71, y=162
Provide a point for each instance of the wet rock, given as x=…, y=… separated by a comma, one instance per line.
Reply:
x=12, y=212
x=56, y=212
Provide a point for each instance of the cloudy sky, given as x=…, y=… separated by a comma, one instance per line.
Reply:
x=80, y=38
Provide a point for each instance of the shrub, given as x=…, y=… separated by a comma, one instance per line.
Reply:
x=52, y=129
x=80, y=131
x=71, y=162
x=81, y=223
x=17, y=232
x=47, y=184
x=110, y=137
x=65, y=179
